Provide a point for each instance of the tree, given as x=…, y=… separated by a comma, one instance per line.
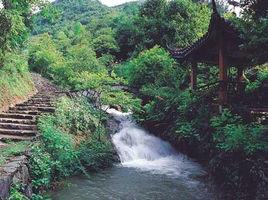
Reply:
x=151, y=67
x=43, y=55
x=15, y=21
x=254, y=28
x=104, y=42
x=180, y=22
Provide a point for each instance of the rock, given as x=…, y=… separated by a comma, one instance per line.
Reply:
x=116, y=107
x=15, y=172
x=5, y=182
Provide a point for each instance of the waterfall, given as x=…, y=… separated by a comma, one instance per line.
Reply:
x=150, y=169
x=139, y=149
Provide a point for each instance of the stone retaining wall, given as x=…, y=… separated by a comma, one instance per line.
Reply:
x=15, y=171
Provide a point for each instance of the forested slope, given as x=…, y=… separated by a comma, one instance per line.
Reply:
x=102, y=46
x=82, y=44
x=61, y=14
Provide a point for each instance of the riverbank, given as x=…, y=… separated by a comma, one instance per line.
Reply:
x=145, y=159
x=69, y=139
x=238, y=175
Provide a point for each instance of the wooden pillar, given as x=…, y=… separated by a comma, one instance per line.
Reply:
x=223, y=78
x=193, y=75
x=240, y=79
x=240, y=72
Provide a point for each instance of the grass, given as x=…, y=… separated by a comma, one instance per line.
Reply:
x=15, y=80
x=12, y=149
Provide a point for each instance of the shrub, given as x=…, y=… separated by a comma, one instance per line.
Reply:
x=16, y=194
x=151, y=66
x=41, y=165
x=72, y=139
x=43, y=55
x=232, y=134
x=261, y=75
x=15, y=80
x=97, y=153
x=59, y=145
x=76, y=116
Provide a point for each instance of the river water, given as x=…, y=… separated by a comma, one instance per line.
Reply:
x=150, y=169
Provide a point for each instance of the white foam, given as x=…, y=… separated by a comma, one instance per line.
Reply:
x=141, y=150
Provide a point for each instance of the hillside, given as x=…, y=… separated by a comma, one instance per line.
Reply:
x=64, y=13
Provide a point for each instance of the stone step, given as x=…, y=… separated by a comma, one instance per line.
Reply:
x=18, y=132
x=36, y=104
x=34, y=108
x=15, y=138
x=41, y=99
x=17, y=116
x=45, y=97
x=18, y=126
x=17, y=121
x=26, y=112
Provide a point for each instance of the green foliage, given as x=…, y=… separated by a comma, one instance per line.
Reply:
x=15, y=79
x=97, y=153
x=59, y=145
x=261, y=76
x=72, y=63
x=41, y=165
x=153, y=66
x=50, y=13
x=82, y=58
x=253, y=24
x=73, y=139
x=16, y=194
x=76, y=116
x=67, y=14
x=233, y=135
x=185, y=129
x=12, y=149
x=15, y=21
x=43, y=55
x=104, y=42
x=159, y=22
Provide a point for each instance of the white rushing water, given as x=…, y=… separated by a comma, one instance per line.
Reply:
x=150, y=169
x=139, y=149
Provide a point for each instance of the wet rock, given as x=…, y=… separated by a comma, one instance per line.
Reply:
x=5, y=182
x=15, y=172
x=112, y=125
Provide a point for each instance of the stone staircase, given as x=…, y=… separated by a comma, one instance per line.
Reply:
x=19, y=122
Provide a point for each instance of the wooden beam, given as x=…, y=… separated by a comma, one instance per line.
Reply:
x=193, y=75
x=223, y=77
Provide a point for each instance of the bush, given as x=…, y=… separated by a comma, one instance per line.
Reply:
x=73, y=139
x=16, y=194
x=41, y=165
x=59, y=145
x=15, y=79
x=151, y=66
x=43, y=55
x=76, y=116
x=97, y=153
x=261, y=76
x=232, y=134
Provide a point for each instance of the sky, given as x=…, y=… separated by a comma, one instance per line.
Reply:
x=111, y=2
x=114, y=2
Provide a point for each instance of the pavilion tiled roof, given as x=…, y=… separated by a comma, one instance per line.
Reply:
x=217, y=25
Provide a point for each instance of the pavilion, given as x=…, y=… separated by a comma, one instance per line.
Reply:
x=220, y=46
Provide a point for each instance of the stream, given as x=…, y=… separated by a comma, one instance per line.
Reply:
x=150, y=169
